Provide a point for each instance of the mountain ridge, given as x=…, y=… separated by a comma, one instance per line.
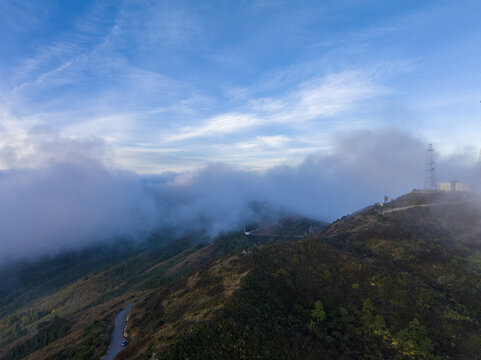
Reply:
x=406, y=281
x=398, y=280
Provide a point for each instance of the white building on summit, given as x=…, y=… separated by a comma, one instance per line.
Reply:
x=454, y=186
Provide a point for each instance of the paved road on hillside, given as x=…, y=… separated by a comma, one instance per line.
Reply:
x=117, y=334
x=387, y=211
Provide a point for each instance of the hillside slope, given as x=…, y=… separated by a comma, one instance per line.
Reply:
x=395, y=282
x=63, y=307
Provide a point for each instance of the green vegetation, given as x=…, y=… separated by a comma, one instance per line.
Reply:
x=374, y=285
x=414, y=342
x=71, y=283
x=48, y=332
x=318, y=314
x=93, y=343
x=79, y=286
x=400, y=285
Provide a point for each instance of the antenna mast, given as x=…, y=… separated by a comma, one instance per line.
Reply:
x=430, y=182
x=478, y=177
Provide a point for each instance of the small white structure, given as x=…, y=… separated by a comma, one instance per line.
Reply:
x=454, y=186
x=445, y=186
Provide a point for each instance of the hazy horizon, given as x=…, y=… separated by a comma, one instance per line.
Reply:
x=119, y=118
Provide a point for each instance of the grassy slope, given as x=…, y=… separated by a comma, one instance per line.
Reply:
x=84, y=294
x=397, y=285
x=93, y=294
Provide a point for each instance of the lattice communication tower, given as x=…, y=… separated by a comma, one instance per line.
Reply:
x=478, y=175
x=430, y=181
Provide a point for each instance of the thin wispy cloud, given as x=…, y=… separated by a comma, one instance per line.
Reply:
x=218, y=125
x=20, y=16
x=330, y=96
x=316, y=100
x=261, y=142
x=204, y=78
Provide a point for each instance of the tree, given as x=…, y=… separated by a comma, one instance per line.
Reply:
x=414, y=341
x=318, y=314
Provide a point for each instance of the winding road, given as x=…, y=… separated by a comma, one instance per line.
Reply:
x=390, y=210
x=118, y=334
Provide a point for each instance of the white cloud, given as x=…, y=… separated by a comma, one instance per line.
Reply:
x=327, y=97
x=330, y=96
x=13, y=144
x=261, y=142
x=115, y=75
x=218, y=125
x=112, y=128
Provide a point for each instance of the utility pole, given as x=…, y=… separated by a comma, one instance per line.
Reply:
x=430, y=181
x=477, y=183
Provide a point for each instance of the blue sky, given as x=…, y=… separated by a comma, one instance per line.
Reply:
x=174, y=85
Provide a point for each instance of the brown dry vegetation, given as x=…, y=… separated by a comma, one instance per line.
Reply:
x=398, y=285
x=399, y=282
x=182, y=304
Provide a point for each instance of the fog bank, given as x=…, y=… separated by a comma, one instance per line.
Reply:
x=66, y=194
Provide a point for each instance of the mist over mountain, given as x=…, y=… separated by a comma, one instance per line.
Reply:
x=68, y=193
x=261, y=179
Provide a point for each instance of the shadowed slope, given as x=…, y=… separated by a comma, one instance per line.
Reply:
x=398, y=285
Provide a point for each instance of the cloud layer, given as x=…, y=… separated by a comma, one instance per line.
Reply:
x=74, y=196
